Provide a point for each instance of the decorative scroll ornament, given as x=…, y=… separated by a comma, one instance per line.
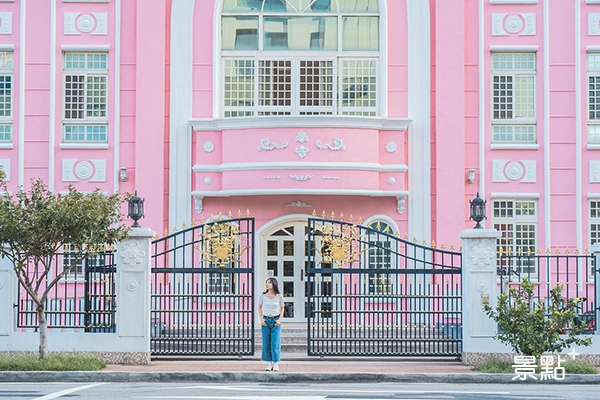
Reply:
x=266, y=145
x=299, y=204
x=335, y=145
x=220, y=244
x=301, y=178
x=341, y=245
x=482, y=255
x=132, y=254
x=302, y=151
x=301, y=137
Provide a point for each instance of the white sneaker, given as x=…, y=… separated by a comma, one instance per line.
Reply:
x=269, y=366
x=275, y=367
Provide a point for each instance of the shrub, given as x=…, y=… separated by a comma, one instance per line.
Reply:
x=495, y=366
x=54, y=362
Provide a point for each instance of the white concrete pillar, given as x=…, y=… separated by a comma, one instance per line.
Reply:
x=596, y=253
x=479, y=286
x=8, y=281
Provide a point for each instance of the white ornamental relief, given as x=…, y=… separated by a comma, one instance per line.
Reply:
x=498, y=171
x=272, y=177
x=302, y=151
x=523, y=170
x=514, y=171
x=335, y=145
x=401, y=204
x=133, y=286
x=301, y=178
x=299, y=204
x=594, y=171
x=132, y=253
x=301, y=137
x=208, y=147
x=93, y=23
x=594, y=24
x=267, y=145
x=100, y=171
x=198, y=205
x=391, y=147
x=330, y=178
x=207, y=180
x=84, y=170
x=5, y=23
x=68, y=170
x=482, y=286
x=522, y=24
x=482, y=255
x=391, y=180
x=5, y=166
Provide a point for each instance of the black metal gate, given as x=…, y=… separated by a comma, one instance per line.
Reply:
x=202, y=300
x=370, y=293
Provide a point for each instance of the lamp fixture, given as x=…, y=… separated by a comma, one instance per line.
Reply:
x=123, y=174
x=471, y=176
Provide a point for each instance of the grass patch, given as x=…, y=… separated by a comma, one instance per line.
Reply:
x=55, y=362
x=497, y=366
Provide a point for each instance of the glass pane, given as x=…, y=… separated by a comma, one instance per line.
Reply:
x=271, y=247
x=271, y=268
x=288, y=289
x=239, y=33
x=288, y=268
x=242, y=5
x=288, y=248
x=300, y=33
x=358, y=6
x=276, y=6
x=288, y=311
x=361, y=33
x=6, y=59
x=593, y=61
x=320, y=6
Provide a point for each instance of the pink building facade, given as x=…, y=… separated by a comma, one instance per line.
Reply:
x=394, y=111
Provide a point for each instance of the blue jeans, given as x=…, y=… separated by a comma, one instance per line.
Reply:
x=271, y=340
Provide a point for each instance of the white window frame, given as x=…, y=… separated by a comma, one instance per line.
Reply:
x=317, y=55
x=390, y=278
x=594, y=230
x=6, y=122
x=86, y=122
x=514, y=122
x=593, y=125
x=517, y=220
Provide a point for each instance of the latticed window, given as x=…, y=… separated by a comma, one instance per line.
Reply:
x=6, y=81
x=379, y=256
x=593, y=68
x=85, y=102
x=300, y=57
x=594, y=221
x=516, y=220
x=513, y=98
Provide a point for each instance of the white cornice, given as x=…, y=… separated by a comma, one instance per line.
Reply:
x=514, y=146
x=90, y=47
x=593, y=195
x=514, y=49
x=592, y=48
x=7, y=47
x=221, y=124
x=514, y=1
x=270, y=192
x=300, y=165
x=515, y=195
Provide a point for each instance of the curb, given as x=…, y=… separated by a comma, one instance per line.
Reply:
x=283, y=377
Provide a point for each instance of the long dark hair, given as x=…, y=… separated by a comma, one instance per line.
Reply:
x=275, y=285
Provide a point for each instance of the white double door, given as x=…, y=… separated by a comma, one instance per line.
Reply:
x=286, y=260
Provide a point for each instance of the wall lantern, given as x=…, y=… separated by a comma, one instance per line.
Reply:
x=477, y=210
x=136, y=209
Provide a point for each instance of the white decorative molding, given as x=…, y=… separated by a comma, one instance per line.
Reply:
x=7, y=47
x=529, y=19
x=301, y=137
x=208, y=147
x=275, y=177
x=522, y=24
x=593, y=24
x=514, y=146
x=266, y=145
x=401, y=204
x=592, y=1
x=302, y=151
x=594, y=171
x=513, y=24
x=5, y=167
x=299, y=204
x=482, y=255
x=76, y=23
x=514, y=171
x=207, y=180
x=497, y=26
x=87, y=146
x=498, y=171
x=265, y=122
x=198, y=204
x=86, y=1
x=81, y=47
x=68, y=170
x=352, y=166
x=200, y=194
x=301, y=178
x=514, y=49
x=530, y=175
x=132, y=253
x=513, y=1
x=99, y=171
x=336, y=145
x=391, y=147
x=84, y=170
x=533, y=196
x=330, y=178
x=6, y=23
x=133, y=286
x=523, y=170
x=391, y=180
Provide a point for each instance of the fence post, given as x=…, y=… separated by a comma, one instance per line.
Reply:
x=133, y=285
x=479, y=286
x=7, y=283
x=596, y=276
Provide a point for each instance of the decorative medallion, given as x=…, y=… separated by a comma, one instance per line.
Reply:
x=133, y=286
x=522, y=170
x=522, y=24
x=84, y=170
x=299, y=204
x=266, y=145
x=301, y=137
x=208, y=147
x=85, y=23
x=207, y=180
x=341, y=244
x=391, y=147
x=301, y=178
x=482, y=286
x=302, y=151
x=513, y=24
x=132, y=253
x=335, y=145
x=221, y=245
x=514, y=171
x=76, y=23
x=391, y=180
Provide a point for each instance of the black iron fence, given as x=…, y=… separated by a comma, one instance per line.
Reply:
x=575, y=272
x=85, y=298
x=371, y=293
x=202, y=300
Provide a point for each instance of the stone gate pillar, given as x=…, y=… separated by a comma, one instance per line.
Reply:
x=479, y=287
x=595, y=249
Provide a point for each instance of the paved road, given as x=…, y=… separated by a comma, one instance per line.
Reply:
x=375, y=391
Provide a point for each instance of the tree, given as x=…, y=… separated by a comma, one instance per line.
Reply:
x=535, y=328
x=36, y=224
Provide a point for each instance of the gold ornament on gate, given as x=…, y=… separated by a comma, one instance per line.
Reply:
x=341, y=245
x=220, y=244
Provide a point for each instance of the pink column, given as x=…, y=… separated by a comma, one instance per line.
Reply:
x=449, y=154
x=150, y=108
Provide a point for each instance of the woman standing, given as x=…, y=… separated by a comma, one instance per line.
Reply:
x=270, y=310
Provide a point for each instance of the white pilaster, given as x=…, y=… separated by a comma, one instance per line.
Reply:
x=7, y=282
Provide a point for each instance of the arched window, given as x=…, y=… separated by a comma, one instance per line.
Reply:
x=300, y=57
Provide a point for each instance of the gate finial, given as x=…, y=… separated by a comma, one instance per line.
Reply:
x=332, y=215
x=239, y=214
x=229, y=214
x=247, y=212
x=351, y=219
x=314, y=213
x=342, y=217
x=202, y=220
x=323, y=215
x=360, y=221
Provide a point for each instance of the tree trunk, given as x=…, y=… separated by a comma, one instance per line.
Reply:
x=43, y=324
